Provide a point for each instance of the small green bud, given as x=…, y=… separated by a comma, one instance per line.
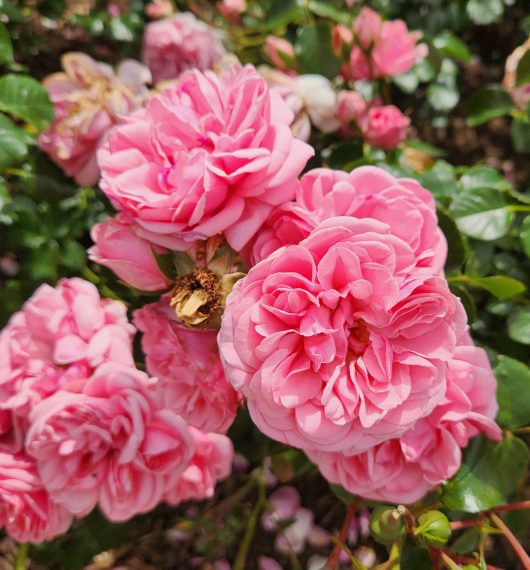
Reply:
x=386, y=524
x=433, y=528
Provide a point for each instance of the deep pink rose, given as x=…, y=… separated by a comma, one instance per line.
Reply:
x=26, y=510
x=56, y=341
x=367, y=192
x=88, y=99
x=211, y=462
x=112, y=444
x=196, y=162
x=403, y=470
x=178, y=43
x=340, y=342
x=187, y=363
x=385, y=126
x=119, y=247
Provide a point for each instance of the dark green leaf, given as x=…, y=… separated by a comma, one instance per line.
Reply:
x=73, y=256
x=520, y=132
x=452, y=46
x=6, y=47
x=488, y=103
x=519, y=325
x=344, y=152
x=523, y=70
x=325, y=10
x=482, y=213
x=165, y=263
x=284, y=12
x=314, y=51
x=513, y=392
x=414, y=557
x=456, y=254
x=26, y=99
x=489, y=473
x=13, y=143
x=485, y=12
x=525, y=235
x=467, y=301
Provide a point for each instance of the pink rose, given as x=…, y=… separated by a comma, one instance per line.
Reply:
x=367, y=192
x=178, y=43
x=196, y=163
x=367, y=27
x=385, y=126
x=157, y=9
x=395, y=50
x=88, y=99
x=111, y=444
x=403, y=470
x=56, y=341
x=119, y=247
x=26, y=510
x=280, y=52
x=211, y=462
x=340, y=342
x=232, y=9
x=187, y=363
x=351, y=110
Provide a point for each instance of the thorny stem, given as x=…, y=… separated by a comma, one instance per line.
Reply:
x=333, y=559
x=22, y=555
x=514, y=543
x=241, y=558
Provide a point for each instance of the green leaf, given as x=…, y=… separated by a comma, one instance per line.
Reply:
x=325, y=10
x=340, y=492
x=165, y=263
x=519, y=326
x=482, y=213
x=407, y=82
x=344, y=152
x=452, y=46
x=314, y=51
x=6, y=46
x=520, y=132
x=488, y=103
x=485, y=12
x=13, y=143
x=26, y=99
x=442, y=97
x=489, y=473
x=523, y=70
x=284, y=12
x=467, y=301
x=513, y=392
x=456, y=254
x=525, y=235
x=499, y=286
x=484, y=177
x=414, y=557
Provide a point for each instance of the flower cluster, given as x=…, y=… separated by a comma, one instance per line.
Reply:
x=82, y=427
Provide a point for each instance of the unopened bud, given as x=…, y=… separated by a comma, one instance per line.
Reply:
x=433, y=528
x=386, y=524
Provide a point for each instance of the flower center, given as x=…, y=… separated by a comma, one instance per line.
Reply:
x=359, y=338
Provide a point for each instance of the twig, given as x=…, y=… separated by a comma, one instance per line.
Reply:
x=333, y=559
x=510, y=537
x=512, y=507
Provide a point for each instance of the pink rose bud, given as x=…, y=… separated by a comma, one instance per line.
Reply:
x=351, y=109
x=231, y=9
x=132, y=258
x=366, y=27
x=341, y=38
x=158, y=9
x=280, y=52
x=385, y=127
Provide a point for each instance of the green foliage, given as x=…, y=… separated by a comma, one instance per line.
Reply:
x=488, y=103
x=513, y=392
x=314, y=52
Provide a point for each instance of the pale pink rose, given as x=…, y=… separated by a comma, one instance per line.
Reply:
x=367, y=27
x=280, y=52
x=26, y=510
x=187, y=363
x=196, y=162
x=403, y=470
x=385, y=126
x=340, y=342
x=367, y=192
x=232, y=9
x=351, y=110
x=395, y=50
x=112, y=444
x=157, y=9
x=266, y=563
x=55, y=342
x=210, y=463
x=118, y=246
x=178, y=43
x=293, y=538
x=281, y=506
x=88, y=99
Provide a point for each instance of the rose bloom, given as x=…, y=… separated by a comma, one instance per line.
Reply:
x=211, y=462
x=178, y=43
x=340, y=342
x=88, y=99
x=403, y=470
x=118, y=246
x=383, y=49
x=385, y=126
x=187, y=363
x=56, y=341
x=367, y=192
x=26, y=509
x=111, y=444
x=208, y=155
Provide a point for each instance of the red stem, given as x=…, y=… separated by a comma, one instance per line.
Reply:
x=514, y=543
x=333, y=559
x=457, y=525
x=512, y=507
